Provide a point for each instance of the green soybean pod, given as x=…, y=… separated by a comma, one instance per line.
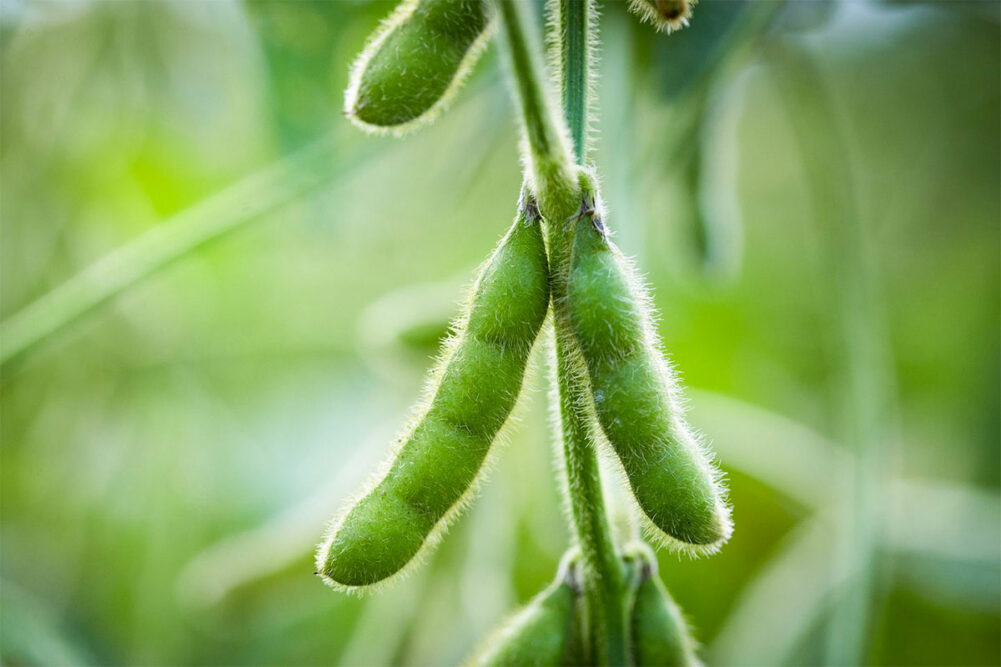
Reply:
x=539, y=635
x=469, y=397
x=636, y=397
x=665, y=15
x=659, y=632
x=414, y=62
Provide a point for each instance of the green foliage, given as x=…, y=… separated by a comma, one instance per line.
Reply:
x=414, y=63
x=470, y=398
x=636, y=397
x=172, y=450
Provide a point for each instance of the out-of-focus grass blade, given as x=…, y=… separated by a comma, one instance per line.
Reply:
x=935, y=528
x=865, y=387
x=714, y=185
x=972, y=586
x=782, y=453
x=689, y=56
x=707, y=57
x=249, y=199
x=929, y=526
x=261, y=193
x=945, y=521
x=947, y=539
x=781, y=603
x=30, y=633
x=401, y=332
x=377, y=635
x=271, y=547
x=939, y=518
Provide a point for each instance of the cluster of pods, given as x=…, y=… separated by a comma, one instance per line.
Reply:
x=406, y=74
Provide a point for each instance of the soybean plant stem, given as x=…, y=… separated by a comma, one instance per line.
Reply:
x=550, y=162
x=604, y=577
x=575, y=48
x=558, y=192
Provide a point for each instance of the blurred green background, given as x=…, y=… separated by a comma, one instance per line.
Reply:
x=811, y=188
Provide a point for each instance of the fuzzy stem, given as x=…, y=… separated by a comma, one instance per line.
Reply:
x=574, y=48
x=604, y=577
x=559, y=196
x=549, y=159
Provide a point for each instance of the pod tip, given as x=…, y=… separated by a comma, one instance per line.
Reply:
x=665, y=15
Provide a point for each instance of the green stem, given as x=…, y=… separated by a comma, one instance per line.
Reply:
x=538, y=123
x=560, y=200
x=575, y=48
x=549, y=156
x=604, y=575
x=559, y=196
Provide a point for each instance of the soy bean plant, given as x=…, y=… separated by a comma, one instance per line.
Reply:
x=613, y=387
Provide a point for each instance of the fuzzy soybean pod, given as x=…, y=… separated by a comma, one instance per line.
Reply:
x=665, y=15
x=470, y=396
x=660, y=634
x=539, y=635
x=636, y=397
x=415, y=61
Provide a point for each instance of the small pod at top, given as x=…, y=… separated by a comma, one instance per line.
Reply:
x=540, y=635
x=470, y=395
x=414, y=62
x=636, y=396
x=665, y=15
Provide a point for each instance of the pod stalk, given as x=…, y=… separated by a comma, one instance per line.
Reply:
x=546, y=150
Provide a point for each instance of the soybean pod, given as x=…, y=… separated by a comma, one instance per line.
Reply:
x=665, y=15
x=470, y=396
x=541, y=633
x=636, y=396
x=413, y=64
x=660, y=634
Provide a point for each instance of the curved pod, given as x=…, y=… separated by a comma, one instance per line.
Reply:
x=413, y=64
x=635, y=397
x=471, y=394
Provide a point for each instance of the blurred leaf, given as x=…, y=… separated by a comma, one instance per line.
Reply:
x=31, y=634
x=249, y=199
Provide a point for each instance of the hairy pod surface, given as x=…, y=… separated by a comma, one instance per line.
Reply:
x=414, y=63
x=665, y=15
x=660, y=634
x=635, y=396
x=540, y=634
x=471, y=396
